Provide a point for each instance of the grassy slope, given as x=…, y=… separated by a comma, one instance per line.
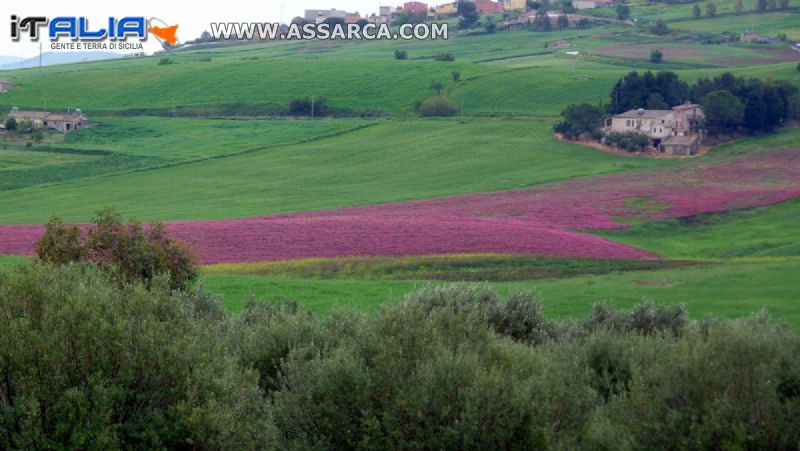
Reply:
x=394, y=161
x=191, y=139
x=768, y=24
x=758, y=232
x=731, y=290
x=120, y=146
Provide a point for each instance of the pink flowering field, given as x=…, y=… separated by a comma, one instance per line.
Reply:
x=545, y=220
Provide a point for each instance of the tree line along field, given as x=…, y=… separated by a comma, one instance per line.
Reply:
x=512, y=87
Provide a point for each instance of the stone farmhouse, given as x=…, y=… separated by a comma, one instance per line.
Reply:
x=62, y=122
x=672, y=131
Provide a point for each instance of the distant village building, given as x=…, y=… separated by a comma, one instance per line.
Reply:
x=447, y=10
x=515, y=5
x=352, y=17
x=415, y=7
x=5, y=86
x=488, y=7
x=591, y=4
x=664, y=127
x=62, y=122
x=320, y=15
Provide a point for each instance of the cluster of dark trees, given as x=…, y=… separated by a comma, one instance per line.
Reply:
x=87, y=363
x=731, y=103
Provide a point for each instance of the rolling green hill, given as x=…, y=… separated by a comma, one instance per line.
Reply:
x=392, y=161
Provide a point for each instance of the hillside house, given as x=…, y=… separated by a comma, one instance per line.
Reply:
x=662, y=126
x=415, y=8
x=352, y=17
x=320, y=15
x=515, y=5
x=447, y=10
x=62, y=122
x=5, y=86
x=488, y=7
x=592, y=4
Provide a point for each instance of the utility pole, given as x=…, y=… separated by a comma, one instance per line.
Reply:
x=312, y=108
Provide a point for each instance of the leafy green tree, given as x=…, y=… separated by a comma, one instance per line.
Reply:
x=762, y=5
x=755, y=112
x=562, y=22
x=468, y=14
x=711, y=9
x=656, y=56
x=437, y=87
x=456, y=76
x=579, y=119
x=696, y=12
x=623, y=12
x=541, y=22
x=583, y=23
x=400, y=55
x=724, y=112
x=656, y=102
x=11, y=124
x=661, y=27
x=784, y=4
x=437, y=107
x=129, y=252
x=738, y=7
x=773, y=4
x=491, y=26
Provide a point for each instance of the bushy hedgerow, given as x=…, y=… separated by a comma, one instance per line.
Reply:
x=86, y=364
x=437, y=106
x=130, y=251
x=451, y=367
x=630, y=141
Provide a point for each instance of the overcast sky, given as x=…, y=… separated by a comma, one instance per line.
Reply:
x=193, y=17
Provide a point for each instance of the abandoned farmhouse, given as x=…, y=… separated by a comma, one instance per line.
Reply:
x=62, y=122
x=672, y=132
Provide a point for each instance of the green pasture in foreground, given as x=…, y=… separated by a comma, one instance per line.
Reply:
x=726, y=290
x=393, y=161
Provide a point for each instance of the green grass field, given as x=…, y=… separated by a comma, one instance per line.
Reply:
x=728, y=290
x=393, y=161
x=767, y=24
x=758, y=232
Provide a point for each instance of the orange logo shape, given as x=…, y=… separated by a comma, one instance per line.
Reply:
x=166, y=34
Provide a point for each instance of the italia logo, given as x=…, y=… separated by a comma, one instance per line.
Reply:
x=78, y=28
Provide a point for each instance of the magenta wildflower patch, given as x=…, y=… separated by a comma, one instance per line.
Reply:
x=538, y=221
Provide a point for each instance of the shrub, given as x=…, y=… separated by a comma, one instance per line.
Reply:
x=656, y=56
x=11, y=123
x=129, y=252
x=578, y=120
x=661, y=27
x=165, y=61
x=88, y=364
x=456, y=76
x=630, y=141
x=308, y=106
x=400, y=55
x=445, y=57
x=437, y=106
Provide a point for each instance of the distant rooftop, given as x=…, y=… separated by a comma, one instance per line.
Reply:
x=647, y=114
